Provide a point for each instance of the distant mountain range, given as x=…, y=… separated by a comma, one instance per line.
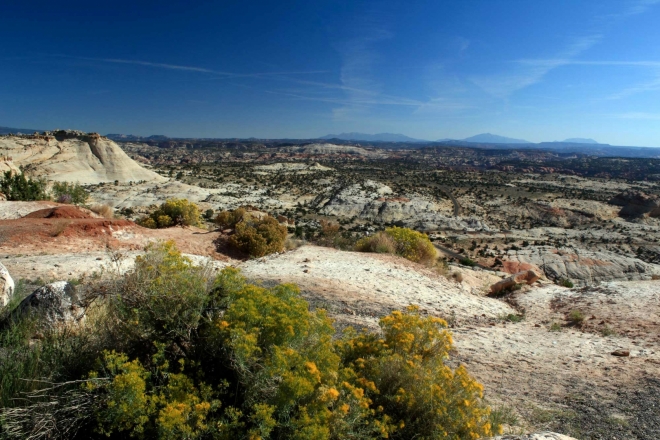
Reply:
x=379, y=137
x=7, y=130
x=580, y=141
x=131, y=137
x=488, y=138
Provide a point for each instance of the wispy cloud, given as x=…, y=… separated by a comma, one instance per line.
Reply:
x=638, y=115
x=640, y=6
x=532, y=71
x=177, y=67
x=503, y=85
x=356, y=73
x=650, y=86
x=555, y=61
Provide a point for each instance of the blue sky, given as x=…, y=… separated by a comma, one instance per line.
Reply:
x=531, y=69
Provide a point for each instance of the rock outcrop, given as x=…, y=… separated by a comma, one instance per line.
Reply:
x=637, y=204
x=583, y=267
x=376, y=202
x=6, y=286
x=55, y=304
x=525, y=277
x=74, y=156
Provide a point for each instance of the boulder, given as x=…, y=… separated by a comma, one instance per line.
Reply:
x=537, y=436
x=526, y=276
x=55, y=303
x=6, y=286
x=637, y=204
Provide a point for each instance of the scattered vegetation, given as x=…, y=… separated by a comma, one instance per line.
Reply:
x=174, y=212
x=172, y=352
x=555, y=327
x=72, y=193
x=405, y=242
x=607, y=331
x=16, y=187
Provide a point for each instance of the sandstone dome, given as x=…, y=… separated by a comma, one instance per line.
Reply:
x=73, y=156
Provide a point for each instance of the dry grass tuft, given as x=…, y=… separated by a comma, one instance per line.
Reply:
x=380, y=243
x=104, y=211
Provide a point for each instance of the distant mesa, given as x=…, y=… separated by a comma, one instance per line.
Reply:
x=495, y=139
x=379, y=137
x=580, y=141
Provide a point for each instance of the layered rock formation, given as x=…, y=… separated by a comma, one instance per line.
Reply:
x=73, y=156
x=583, y=267
x=637, y=204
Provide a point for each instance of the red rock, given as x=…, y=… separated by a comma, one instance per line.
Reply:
x=524, y=277
x=621, y=353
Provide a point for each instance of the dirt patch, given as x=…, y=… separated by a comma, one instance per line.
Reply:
x=60, y=212
x=66, y=234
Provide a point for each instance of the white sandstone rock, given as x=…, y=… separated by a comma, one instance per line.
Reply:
x=6, y=286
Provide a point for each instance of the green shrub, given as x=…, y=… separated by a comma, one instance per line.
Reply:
x=16, y=187
x=172, y=354
x=468, y=262
x=513, y=318
x=405, y=242
x=566, y=283
x=173, y=212
x=258, y=237
x=575, y=317
x=65, y=192
x=555, y=327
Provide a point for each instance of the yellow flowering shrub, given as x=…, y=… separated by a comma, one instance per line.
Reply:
x=182, y=355
x=403, y=372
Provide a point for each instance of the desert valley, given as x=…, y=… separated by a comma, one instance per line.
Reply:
x=546, y=265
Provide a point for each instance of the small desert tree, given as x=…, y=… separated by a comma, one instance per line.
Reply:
x=65, y=192
x=17, y=187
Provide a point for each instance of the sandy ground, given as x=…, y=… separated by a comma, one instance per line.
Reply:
x=566, y=381
x=569, y=379
x=352, y=285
